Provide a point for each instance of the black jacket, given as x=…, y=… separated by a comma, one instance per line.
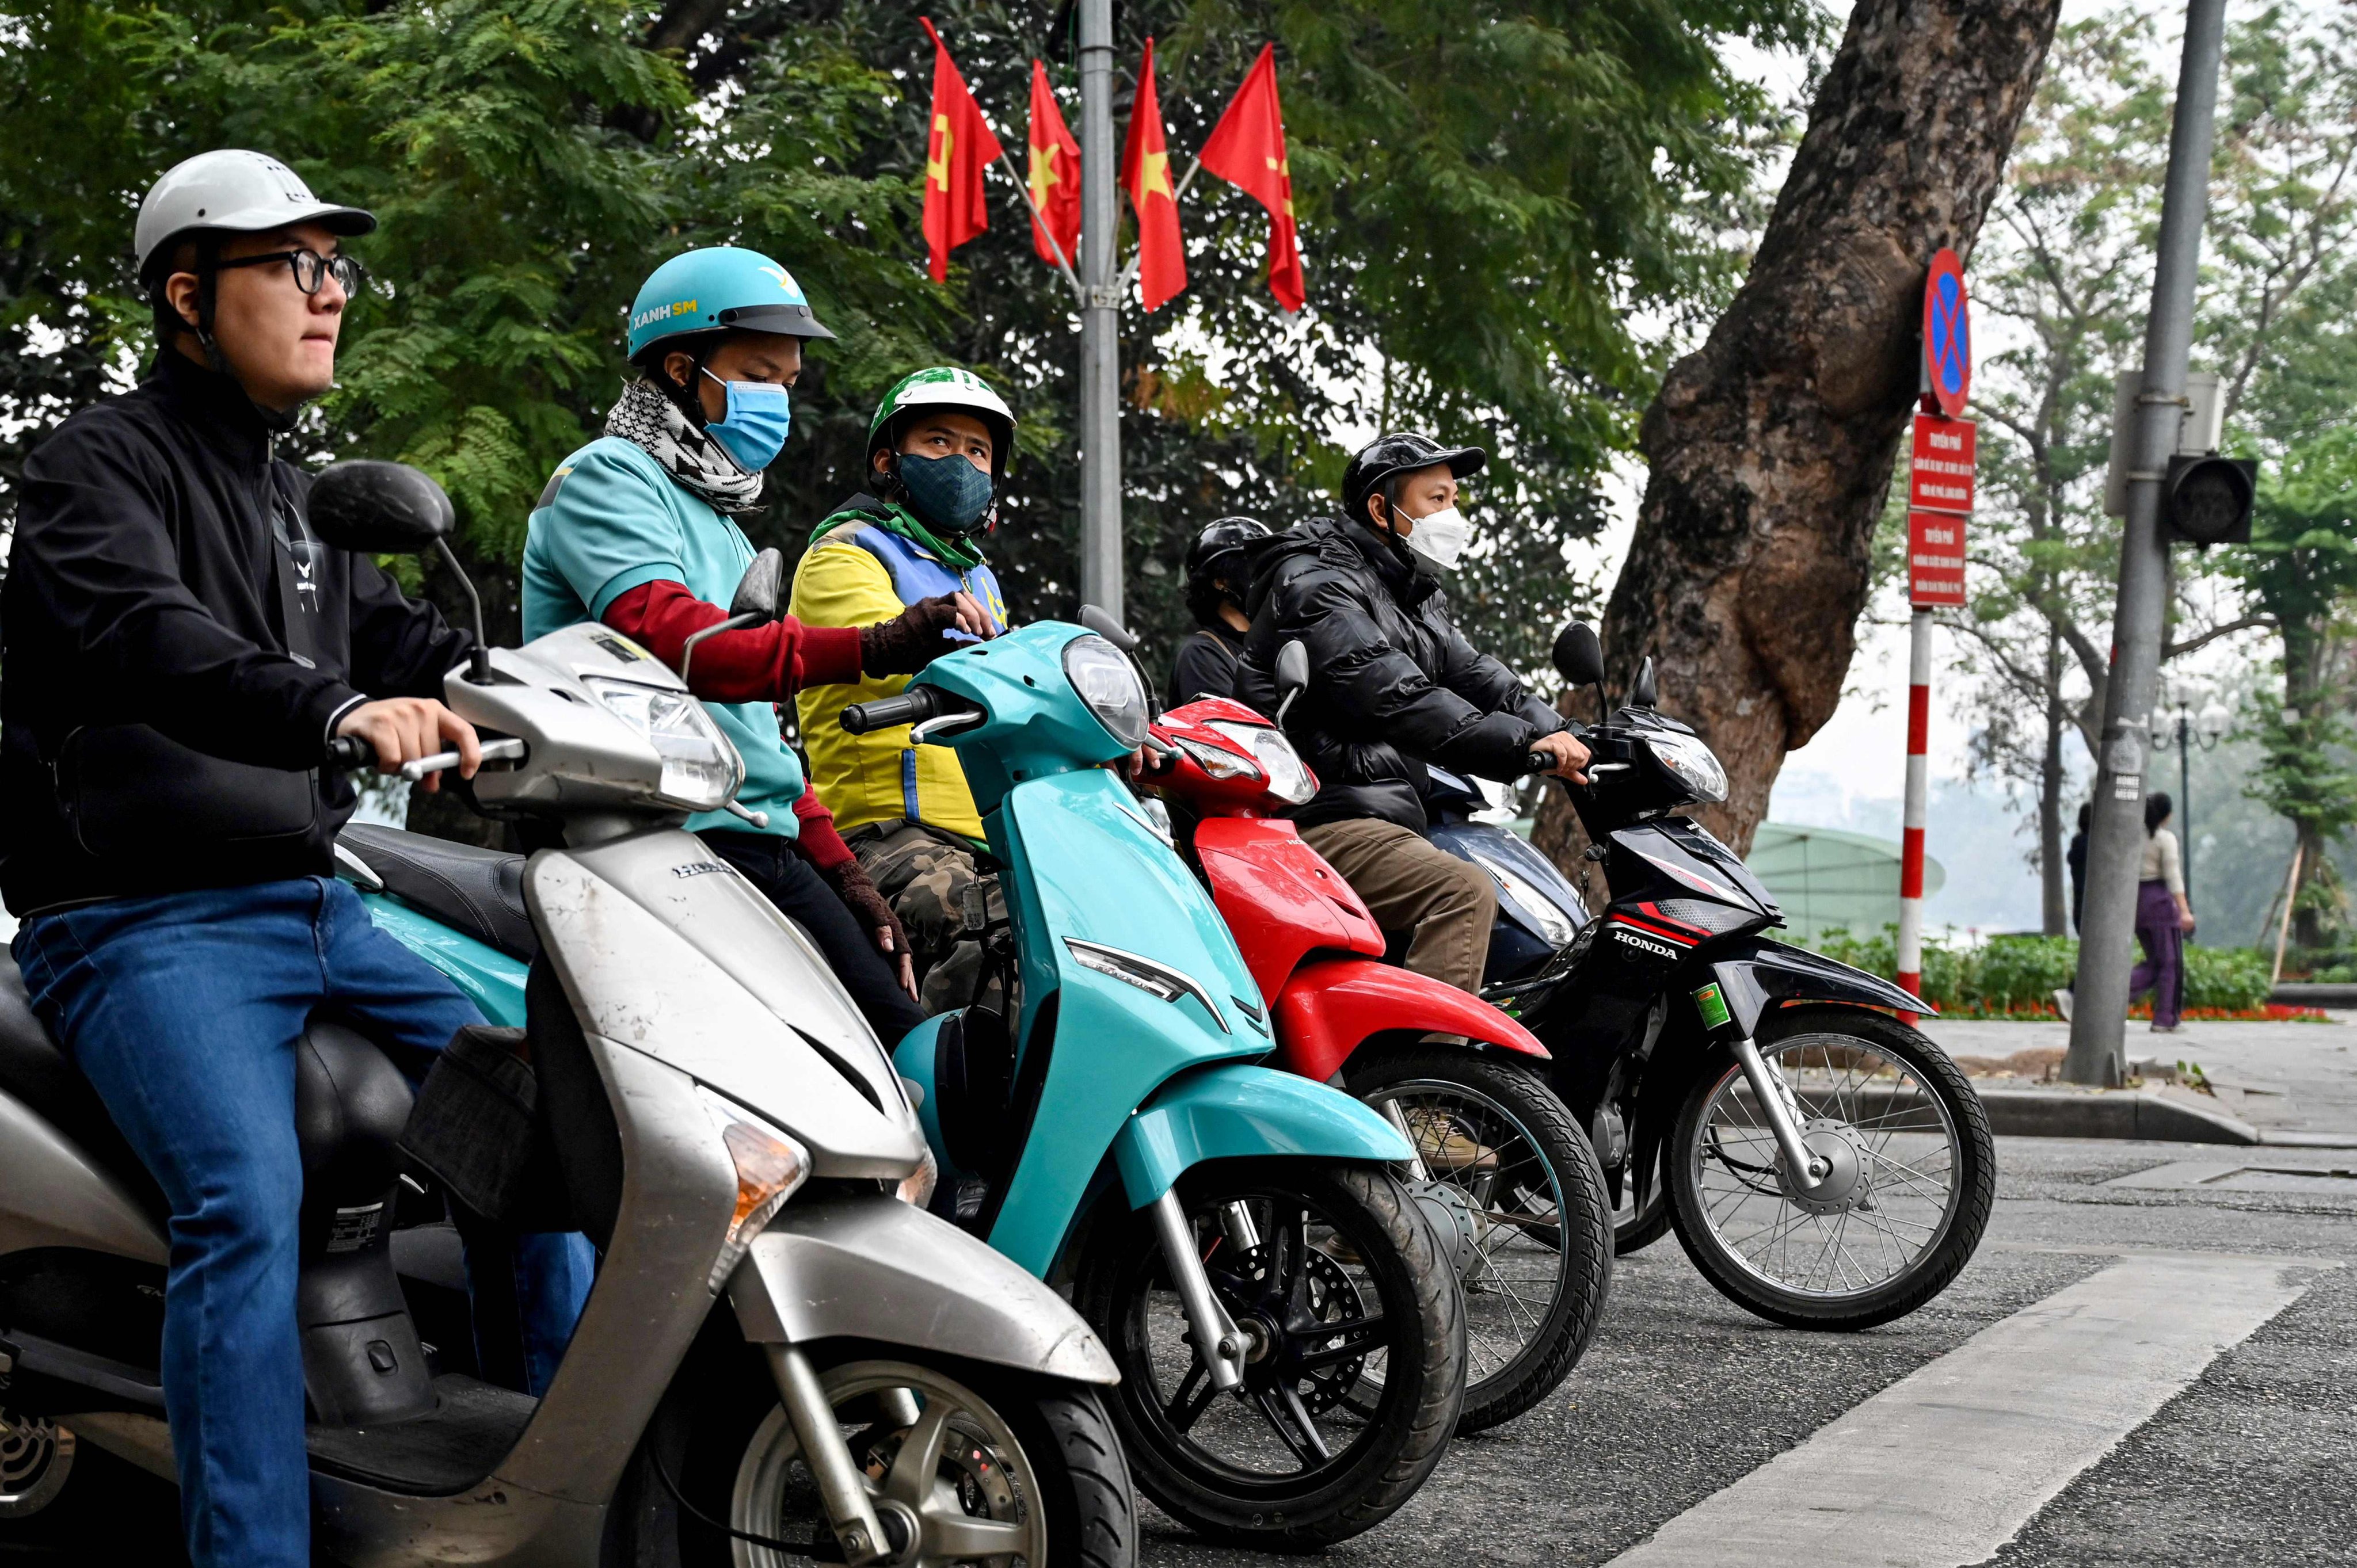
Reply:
x=1206, y=665
x=1393, y=683
x=158, y=730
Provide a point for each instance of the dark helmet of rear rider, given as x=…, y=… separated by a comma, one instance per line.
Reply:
x=1215, y=552
x=1387, y=457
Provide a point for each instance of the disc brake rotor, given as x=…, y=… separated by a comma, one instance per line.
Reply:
x=1331, y=1296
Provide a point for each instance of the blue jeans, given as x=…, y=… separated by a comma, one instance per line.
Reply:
x=183, y=1011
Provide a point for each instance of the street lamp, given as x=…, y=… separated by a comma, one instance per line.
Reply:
x=2187, y=729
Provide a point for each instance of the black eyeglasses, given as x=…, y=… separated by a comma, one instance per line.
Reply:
x=310, y=269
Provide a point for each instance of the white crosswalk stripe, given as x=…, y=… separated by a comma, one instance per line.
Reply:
x=1948, y=1463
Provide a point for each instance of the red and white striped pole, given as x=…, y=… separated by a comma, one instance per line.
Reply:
x=1918, y=806
x=1940, y=484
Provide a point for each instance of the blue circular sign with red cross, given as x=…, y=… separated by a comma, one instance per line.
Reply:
x=1947, y=337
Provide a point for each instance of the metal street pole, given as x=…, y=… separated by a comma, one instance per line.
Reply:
x=2185, y=798
x=2098, y=1052
x=1099, y=320
x=1917, y=808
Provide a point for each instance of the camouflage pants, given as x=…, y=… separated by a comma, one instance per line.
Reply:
x=926, y=877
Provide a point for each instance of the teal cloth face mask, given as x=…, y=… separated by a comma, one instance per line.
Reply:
x=949, y=493
x=753, y=430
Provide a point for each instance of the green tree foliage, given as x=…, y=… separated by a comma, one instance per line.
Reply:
x=1487, y=204
x=2067, y=260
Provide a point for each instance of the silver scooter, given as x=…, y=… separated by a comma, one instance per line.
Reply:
x=783, y=1355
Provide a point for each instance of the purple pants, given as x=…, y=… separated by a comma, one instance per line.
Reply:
x=2163, y=968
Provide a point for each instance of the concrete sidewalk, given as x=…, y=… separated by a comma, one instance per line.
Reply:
x=2291, y=1083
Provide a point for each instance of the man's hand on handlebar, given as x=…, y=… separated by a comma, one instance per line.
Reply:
x=403, y=729
x=1567, y=757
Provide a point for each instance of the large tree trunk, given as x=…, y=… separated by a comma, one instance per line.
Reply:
x=1770, y=448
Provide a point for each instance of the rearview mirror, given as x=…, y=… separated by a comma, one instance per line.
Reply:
x=1579, y=655
x=757, y=590
x=1641, y=693
x=1292, y=669
x=1292, y=675
x=1111, y=631
x=374, y=508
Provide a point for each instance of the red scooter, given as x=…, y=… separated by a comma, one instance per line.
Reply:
x=1503, y=1171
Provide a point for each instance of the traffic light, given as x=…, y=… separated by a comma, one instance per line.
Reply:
x=2207, y=499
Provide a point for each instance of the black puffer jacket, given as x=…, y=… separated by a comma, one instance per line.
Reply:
x=1393, y=683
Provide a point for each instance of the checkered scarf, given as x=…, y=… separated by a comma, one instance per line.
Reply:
x=644, y=417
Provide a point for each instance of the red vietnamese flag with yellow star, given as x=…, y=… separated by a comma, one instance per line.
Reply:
x=958, y=148
x=1247, y=150
x=1145, y=175
x=1054, y=175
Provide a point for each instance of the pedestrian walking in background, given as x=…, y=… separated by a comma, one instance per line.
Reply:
x=2163, y=917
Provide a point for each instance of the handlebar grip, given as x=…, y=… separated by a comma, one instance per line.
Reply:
x=1537, y=762
x=912, y=706
x=351, y=751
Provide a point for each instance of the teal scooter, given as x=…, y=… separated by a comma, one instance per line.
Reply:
x=1290, y=1339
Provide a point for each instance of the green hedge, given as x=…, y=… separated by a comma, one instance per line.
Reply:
x=2007, y=974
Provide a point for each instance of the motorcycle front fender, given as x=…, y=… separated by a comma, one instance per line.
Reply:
x=1790, y=976
x=869, y=1266
x=1232, y=1111
x=1328, y=1010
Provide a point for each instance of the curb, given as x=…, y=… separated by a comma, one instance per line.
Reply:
x=2112, y=1113
x=2313, y=994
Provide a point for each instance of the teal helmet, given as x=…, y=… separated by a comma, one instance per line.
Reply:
x=715, y=289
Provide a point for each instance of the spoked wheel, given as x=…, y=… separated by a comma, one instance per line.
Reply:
x=966, y=1465
x=1636, y=1226
x=1513, y=1190
x=37, y=1455
x=1331, y=1276
x=1912, y=1173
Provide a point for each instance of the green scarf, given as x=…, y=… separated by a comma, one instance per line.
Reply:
x=958, y=552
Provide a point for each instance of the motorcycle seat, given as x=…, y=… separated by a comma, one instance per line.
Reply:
x=478, y=891
x=41, y=1077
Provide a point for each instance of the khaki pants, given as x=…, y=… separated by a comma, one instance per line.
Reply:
x=1445, y=904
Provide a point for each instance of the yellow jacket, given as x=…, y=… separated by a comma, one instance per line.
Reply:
x=857, y=574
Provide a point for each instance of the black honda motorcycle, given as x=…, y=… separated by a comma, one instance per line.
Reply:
x=1825, y=1164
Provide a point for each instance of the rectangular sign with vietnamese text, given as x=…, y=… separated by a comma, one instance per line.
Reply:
x=1935, y=558
x=1940, y=475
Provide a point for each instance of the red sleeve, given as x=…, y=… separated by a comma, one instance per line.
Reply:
x=820, y=843
x=759, y=664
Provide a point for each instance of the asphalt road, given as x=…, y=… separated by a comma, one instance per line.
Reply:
x=2247, y=1456
x=2253, y=1462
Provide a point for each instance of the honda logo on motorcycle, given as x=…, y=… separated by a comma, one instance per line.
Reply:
x=1644, y=943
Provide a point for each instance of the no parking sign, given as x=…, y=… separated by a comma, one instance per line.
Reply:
x=1947, y=338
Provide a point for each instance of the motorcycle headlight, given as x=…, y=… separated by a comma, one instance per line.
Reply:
x=1289, y=780
x=1217, y=761
x=1108, y=683
x=1558, y=927
x=1691, y=763
x=700, y=769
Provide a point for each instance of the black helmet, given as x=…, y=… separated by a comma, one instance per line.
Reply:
x=1386, y=456
x=1213, y=552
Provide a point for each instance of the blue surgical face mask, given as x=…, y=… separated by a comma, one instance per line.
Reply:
x=754, y=427
x=948, y=493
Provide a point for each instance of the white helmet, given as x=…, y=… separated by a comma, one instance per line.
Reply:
x=233, y=191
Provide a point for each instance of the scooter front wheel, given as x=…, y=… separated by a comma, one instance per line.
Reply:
x=1910, y=1172
x=1331, y=1276
x=978, y=1463
x=1513, y=1187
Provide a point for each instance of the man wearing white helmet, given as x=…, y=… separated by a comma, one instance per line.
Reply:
x=178, y=652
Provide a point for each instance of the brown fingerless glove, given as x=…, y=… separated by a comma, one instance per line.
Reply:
x=910, y=640
x=867, y=907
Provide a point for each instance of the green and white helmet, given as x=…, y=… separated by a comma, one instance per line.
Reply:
x=944, y=386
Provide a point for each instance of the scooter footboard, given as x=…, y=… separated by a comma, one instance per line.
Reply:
x=1233, y=1111
x=871, y=1267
